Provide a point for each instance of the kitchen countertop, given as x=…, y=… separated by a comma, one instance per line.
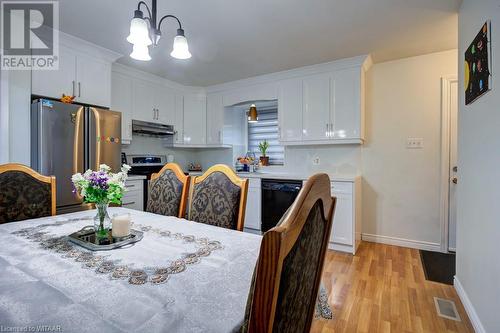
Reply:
x=285, y=175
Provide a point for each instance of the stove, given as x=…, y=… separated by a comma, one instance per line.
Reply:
x=145, y=165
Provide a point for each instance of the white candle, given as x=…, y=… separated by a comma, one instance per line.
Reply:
x=121, y=225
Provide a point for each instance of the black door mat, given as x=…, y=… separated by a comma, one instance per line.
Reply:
x=438, y=267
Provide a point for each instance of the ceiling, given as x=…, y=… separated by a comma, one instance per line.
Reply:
x=236, y=39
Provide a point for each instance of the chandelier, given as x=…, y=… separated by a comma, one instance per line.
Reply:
x=146, y=31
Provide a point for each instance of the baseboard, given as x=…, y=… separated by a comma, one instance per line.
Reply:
x=469, y=308
x=414, y=244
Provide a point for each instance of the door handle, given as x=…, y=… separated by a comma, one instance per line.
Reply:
x=128, y=203
x=79, y=89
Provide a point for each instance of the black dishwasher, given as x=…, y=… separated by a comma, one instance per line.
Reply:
x=277, y=195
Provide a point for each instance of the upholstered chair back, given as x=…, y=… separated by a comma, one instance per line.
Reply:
x=285, y=286
x=218, y=198
x=168, y=191
x=25, y=194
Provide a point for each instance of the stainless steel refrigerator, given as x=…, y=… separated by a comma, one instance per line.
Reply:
x=71, y=138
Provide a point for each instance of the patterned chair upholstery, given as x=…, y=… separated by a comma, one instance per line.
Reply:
x=303, y=237
x=25, y=194
x=217, y=200
x=167, y=191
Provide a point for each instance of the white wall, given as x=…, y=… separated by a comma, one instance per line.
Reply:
x=478, y=229
x=401, y=186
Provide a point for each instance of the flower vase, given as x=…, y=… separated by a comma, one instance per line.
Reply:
x=102, y=222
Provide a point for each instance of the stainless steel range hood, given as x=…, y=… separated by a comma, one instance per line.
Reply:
x=152, y=129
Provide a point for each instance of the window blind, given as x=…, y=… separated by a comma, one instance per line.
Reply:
x=266, y=129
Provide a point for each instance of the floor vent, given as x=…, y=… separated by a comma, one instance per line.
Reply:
x=446, y=309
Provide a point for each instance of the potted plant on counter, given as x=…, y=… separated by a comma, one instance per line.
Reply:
x=263, y=146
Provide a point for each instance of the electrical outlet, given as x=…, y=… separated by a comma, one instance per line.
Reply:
x=415, y=143
x=316, y=161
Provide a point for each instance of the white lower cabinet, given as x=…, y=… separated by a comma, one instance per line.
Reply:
x=253, y=210
x=133, y=198
x=346, y=228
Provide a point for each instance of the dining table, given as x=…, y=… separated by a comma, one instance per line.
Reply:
x=182, y=276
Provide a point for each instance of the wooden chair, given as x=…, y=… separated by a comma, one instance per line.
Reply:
x=219, y=197
x=288, y=273
x=168, y=191
x=25, y=194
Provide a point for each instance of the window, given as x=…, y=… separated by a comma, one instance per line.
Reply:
x=266, y=129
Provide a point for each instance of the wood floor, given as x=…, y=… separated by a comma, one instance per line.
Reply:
x=383, y=289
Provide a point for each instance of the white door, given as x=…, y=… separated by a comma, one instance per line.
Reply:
x=195, y=119
x=290, y=110
x=316, y=107
x=144, y=101
x=452, y=204
x=252, y=213
x=93, y=81
x=345, y=102
x=165, y=105
x=121, y=100
x=342, y=229
x=55, y=83
x=215, y=119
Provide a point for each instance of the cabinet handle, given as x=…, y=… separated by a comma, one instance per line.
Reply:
x=154, y=114
x=279, y=132
x=157, y=114
x=79, y=89
x=327, y=131
x=129, y=186
x=73, y=90
x=220, y=136
x=128, y=203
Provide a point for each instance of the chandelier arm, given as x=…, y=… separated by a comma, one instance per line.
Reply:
x=147, y=7
x=167, y=16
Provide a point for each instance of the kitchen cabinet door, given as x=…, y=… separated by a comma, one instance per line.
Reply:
x=346, y=104
x=144, y=101
x=290, y=110
x=316, y=107
x=57, y=82
x=343, y=221
x=215, y=119
x=195, y=120
x=121, y=100
x=93, y=81
x=179, y=119
x=253, y=213
x=165, y=105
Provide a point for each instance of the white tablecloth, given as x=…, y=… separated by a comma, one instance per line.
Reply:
x=40, y=286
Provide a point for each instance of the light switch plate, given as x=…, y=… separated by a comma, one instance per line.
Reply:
x=415, y=143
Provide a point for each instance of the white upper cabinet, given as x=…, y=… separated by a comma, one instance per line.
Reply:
x=195, y=119
x=144, y=101
x=215, y=119
x=93, y=81
x=54, y=83
x=121, y=100
x=179, y=119
x=345, y=95
x=165, y=105
x=83, y=75
x=290, y=110
x=315, y=107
